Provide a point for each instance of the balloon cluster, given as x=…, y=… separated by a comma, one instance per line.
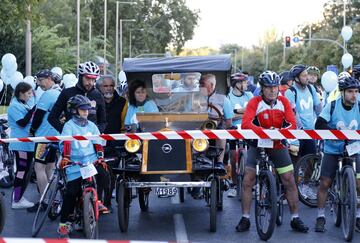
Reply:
x=8, y=73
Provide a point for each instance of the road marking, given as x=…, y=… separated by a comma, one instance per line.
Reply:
x=180, y=230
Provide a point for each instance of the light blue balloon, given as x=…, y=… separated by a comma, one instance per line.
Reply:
x=8, y=60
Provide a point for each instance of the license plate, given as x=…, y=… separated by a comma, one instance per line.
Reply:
x=166, y=191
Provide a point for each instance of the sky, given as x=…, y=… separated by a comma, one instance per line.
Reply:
x=244, y=22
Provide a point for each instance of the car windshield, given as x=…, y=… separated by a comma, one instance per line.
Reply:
x=178, y=92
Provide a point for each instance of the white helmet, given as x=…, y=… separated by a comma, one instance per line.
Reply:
x=89, y=69
x=343, y=76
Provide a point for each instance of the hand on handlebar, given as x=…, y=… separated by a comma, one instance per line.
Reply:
x=101, y=162
x=64, y=162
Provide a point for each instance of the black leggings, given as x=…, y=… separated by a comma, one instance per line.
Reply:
x=23, y=164
x=73, y=192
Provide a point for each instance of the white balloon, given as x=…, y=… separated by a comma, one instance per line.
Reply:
x=16, y=78
x=329, y=81
x=346, y=33
x=57, y=70
x=347, y=60
x=122, y=76
x=7, y=60
x=11, y=69
x=30, y=80
x=69, y=80
x=1, y=85
x=5, y=77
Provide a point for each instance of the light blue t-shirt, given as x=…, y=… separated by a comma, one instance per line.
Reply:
x=304, y=106
x=16, y=111
x=239, y=102
x=222, y=103
x=46, y=103
x=130, y=117
x=341, y=119
x=81, y=151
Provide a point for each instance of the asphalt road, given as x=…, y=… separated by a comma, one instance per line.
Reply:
x=169, y=220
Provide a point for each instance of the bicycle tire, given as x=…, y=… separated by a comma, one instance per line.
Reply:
x=213, y=205
x=123, y=206
x=143, y=200
x=49, y=195
x=2, y=213
x=266, y=180
x=89, y=216
x=335, y=202
x=348, y=203
x=300, y=169
x=240, y=173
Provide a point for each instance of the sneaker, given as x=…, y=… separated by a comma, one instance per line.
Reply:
x=320, y=224
x=64, y=230
x=232, y=192
x=357, y=225
x=298, y=225
x=308, y=192
x=244, y=225
x=102, y=208
x=22, y=203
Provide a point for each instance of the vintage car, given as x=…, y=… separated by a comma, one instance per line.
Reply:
x=168, y=167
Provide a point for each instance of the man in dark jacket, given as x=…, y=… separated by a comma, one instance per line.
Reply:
x=87, y=74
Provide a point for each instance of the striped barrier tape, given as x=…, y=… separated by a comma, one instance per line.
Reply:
x=205, y=134
x=32, y=240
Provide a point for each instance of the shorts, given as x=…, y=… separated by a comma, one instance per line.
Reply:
x=44, y=154
x=330, y=163
x=279, y=157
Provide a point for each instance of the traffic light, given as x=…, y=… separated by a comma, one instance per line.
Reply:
x=287, y=41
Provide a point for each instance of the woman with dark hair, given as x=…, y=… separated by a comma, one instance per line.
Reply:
x=138, y=102
x=20, y=113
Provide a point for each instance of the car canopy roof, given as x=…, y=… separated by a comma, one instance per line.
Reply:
x=178, y=64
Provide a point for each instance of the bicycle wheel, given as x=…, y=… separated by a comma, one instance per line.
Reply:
x=7, y=174
x=89, y=214
x=123, y=206
x=213, y=205
x=349, y=203
x=280, y=203
x=144, y=199
x=307, y=177
x=334, y=198
x=265, y=205
x=2, y=212
x=240, y=172
x=46, y=200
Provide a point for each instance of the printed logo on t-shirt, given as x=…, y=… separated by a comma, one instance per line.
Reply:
x=352, y=126
x=306, y=105
x=93, y=103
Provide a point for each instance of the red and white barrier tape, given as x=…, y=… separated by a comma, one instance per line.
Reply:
x=206, y=134
x=31, y=240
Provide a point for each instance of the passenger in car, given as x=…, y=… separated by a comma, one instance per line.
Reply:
x=138, y=102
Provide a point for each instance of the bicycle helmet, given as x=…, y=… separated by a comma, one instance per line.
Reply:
x=78, y=102
x=47, y=73
x=313, y=70
x=296, y=70
x=348, y=83
x=269, y=79
x=284, y=77
x=343, y=75
x=90, y=69
x=237, y=77
x=356, y=71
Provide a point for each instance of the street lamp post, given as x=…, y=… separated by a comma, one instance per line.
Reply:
x=105, y=20
x=121, y=51
x=28, y=46
x=89, y=19
x=117, y=33
x=78, y=32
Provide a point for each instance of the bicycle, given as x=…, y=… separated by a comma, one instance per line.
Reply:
x=7, y=159
x=265, y=197
x=307, y=176
x=343, y=195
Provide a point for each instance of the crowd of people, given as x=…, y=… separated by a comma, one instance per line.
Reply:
x=293, y=99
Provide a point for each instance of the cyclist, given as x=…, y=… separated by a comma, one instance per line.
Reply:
x=239, y=98
x=88, y=72
x=45, y=156
x=313, y=77
x=343, y=114
x=270, y=111
x=285, y=81
x=83, y=152
x=306, y=104
x=335, y=94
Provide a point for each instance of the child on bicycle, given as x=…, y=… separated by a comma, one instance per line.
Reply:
x=83, y=152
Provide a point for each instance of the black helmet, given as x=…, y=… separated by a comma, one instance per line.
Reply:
x=237, y=77
x=296, y=70
x=269, y=79
x=47, y=73
x=349, y=83
x=78, y=101
x=356, y=71
x=284, y=77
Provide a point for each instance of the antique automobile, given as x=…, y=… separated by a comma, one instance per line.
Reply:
x=172, y=166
